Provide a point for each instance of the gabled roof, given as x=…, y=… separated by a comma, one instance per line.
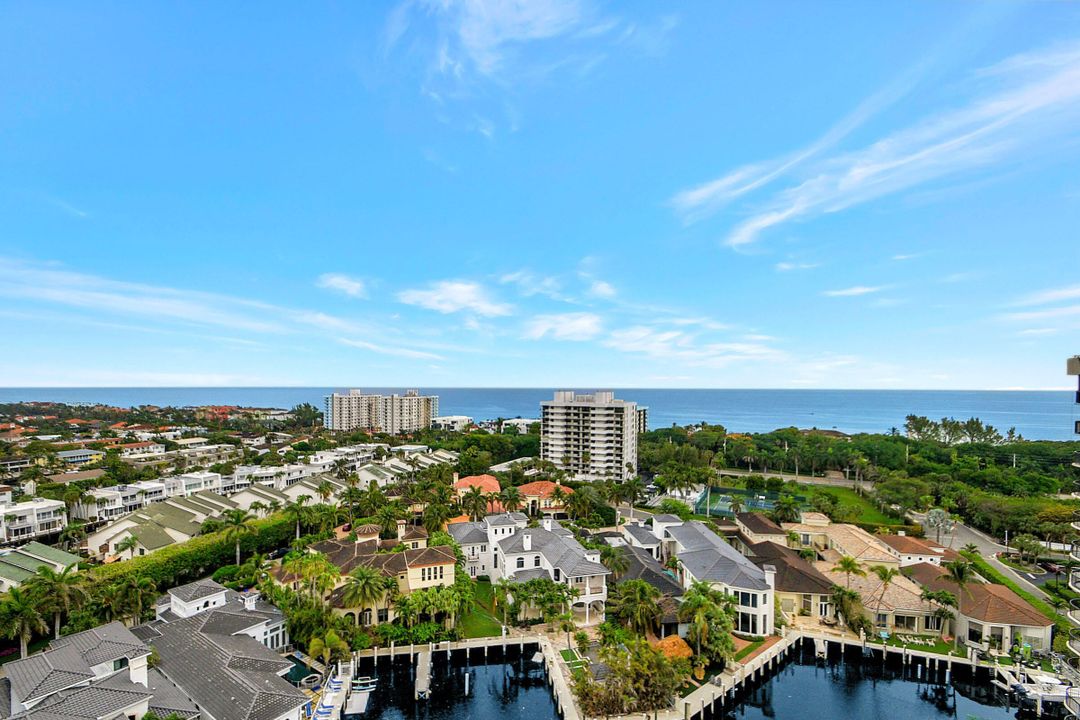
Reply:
x=708, y=558
x=486, y=483
x=759, y=524
x=468, y=533
x=640, y=565
x=558, y=546
x=641, y=534
x=542, y=489
x=984, y=602
x=196, y=590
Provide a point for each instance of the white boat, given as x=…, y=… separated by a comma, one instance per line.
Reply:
x=363, y=683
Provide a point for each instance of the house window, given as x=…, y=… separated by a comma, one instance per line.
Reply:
x=906, y=622
x=824, y=608
x=483, y=548
x=933, y=622
x=748, y=623
x=520, y=562
x=557, y=573
x=383, y=614
x=882, y=619
x=119, y=664
x=536, y=561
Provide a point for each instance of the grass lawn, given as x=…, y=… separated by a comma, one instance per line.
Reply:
x=478, y=623
x=868, y=512
x=748, y=649
x=940, y=647
x=485, y=595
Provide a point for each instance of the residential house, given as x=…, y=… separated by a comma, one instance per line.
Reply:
x=215, y=646
x=551, y=551
x=800, y=588
x=913, y=551
x=753, y=528
x=703, y=556
x=477, y=539
x=31, y=518
x=835, y=540
x=541, y=497
x=988, y=616
x=641, y=565
x=17, y=565
x=897, y=607
x=158, y=525
x=91, y=675
x=82, y=456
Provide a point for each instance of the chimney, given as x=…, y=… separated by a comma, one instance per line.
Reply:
x=400, y=529
x=249, y=600
x=547, y=524
x=770, y=575
x=526, y=542
x=455, y=477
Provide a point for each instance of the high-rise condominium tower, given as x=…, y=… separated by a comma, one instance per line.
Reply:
x=594, y=437
x=393, y=414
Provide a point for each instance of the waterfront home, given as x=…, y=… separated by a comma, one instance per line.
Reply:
x=913, y=551
x=17, y=565
x=211, y=645
x=95, y=674
x=551, y=551
x=477, y=539
x=703, y=556
x=896, y=607
x=834, y=540
x=988, y=615
x=20, y=521
x=413, y=569
x=800, y=588
x=158, y=525
x=244, y=613
x=641, y=565
x=540, y=497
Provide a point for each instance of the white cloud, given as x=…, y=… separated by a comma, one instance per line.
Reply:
x=789, y=266
x=1039, y=331
x=1045, y=297
x=450, y=296
x=392, y=351
x=681, y=346
x=854, y=291
x=1058, y=312
x=906, y=256
x=602, y=289
x=565, y=326
x=353, y=287
x=529, y=283
x=1029, y=108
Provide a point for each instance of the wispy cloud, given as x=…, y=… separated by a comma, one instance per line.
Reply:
x=69, y=208
x=602, y=289
x=564, y=326
x=672, y=345
x=353, y=287
x=1045, y=297
x=451, y=296
x=904, y=257
x=789, y=266
x=392, y=351
x=529, y=284
x=1032, y=102
x=1047, y=314
x=854, y=291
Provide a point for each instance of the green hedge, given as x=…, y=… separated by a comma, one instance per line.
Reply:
x=198, y=557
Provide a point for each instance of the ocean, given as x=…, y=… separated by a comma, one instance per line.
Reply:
x=1046, y=415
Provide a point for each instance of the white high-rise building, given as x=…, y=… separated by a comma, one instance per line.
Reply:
x=594, y=437
x=392, y=414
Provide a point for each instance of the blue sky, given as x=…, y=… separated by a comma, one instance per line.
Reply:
x=879, y=195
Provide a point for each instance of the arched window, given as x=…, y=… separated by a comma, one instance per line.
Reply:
x=520, y=562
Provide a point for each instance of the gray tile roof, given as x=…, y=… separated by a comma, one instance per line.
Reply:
x=468, y=533
x=231, y=677
x=558, y=546
x=507, y=518
x=707, y=557
x=69, y=659
x=195, y=590
x=641, y=534
x=643, y=566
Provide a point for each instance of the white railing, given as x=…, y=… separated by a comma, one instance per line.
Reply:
x=1072, y=701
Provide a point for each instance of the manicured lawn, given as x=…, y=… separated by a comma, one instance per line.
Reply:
x=479, y=623
x=485, y=595
x=868, y=512
x=939, y=646
x=748, y=649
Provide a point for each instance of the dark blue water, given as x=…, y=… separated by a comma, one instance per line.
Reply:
x=1036, y=415
x=846, y=690
x=516, y=690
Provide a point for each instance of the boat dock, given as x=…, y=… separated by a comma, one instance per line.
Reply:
x=423, y=676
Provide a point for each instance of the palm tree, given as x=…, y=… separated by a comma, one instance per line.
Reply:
x=614, y=559
x=510, y=497
x=847, y=604
x=701, y=609
x=849, y=566
x=364, y=587
x=387, y=517
x=566, y=624
x=558, y=496
x=134, y=594
x=886, y=575
x=299, y=512
x=435, y=516
x=960, y=572
x=502, y=591
x=237, y=527
x=328, y=648
x=786, y=509
x=474, y=502
x=129, y=543
x=341, y=468
x=258, y=507
x=635, y=604
x=58, y=592
x=735, y=505
x=20, y=618
x=941, y=600
x=325, y=489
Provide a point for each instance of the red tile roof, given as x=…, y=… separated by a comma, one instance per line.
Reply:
x=487, y=483
x=541, y=489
